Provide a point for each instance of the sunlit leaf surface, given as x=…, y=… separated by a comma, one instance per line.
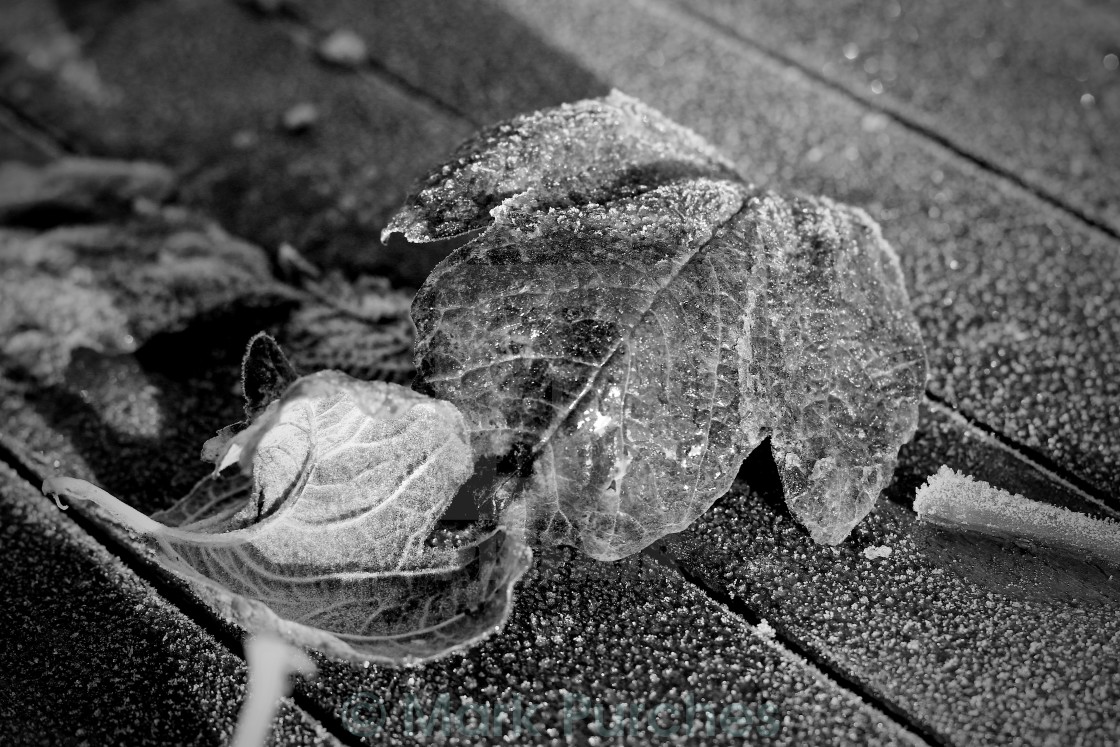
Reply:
x=328, y=531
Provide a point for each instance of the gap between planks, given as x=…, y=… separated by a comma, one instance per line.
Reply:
x=793, y=650
x=303, y=31
x=1033, y=459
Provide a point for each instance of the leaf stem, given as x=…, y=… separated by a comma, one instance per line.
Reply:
x=74, y=488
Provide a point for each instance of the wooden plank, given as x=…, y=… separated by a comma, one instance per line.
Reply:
x=472, y=55
x=972, y=637
x=204, y=87
x=94, y=656
x=1031, y=86
x=628, y=632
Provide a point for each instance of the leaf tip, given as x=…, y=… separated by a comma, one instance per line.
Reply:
x=266, y=372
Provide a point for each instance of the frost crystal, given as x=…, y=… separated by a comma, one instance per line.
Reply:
x=634, y=320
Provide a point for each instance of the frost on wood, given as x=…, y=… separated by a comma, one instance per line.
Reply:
x=956, y=500
x=324, y=532
x=634, y=320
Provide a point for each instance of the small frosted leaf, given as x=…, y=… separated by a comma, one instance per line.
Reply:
x=618, y=350
x=266, y=373
x=957, y=500
x=330, y=536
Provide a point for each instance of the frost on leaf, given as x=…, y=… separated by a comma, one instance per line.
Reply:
x=361, y=327
x=589, y=151
x=634, y=320
x=324, y=528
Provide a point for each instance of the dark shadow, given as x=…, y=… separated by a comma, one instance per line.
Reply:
x=760, y=474
x=89, y=19
x=139, y=421
x=211, y=340
x=1019, y=570
x=43, y=216
x=406, y=264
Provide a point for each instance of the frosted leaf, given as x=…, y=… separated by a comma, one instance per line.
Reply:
x=619, y=358
x=589, y=151
x=112, y=287
x=361, y=327
x=44, y=319
x=834, y=366
x=329, y=534
x=957, y=500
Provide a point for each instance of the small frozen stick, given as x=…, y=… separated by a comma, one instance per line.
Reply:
x=271, y=661
x=956, y=500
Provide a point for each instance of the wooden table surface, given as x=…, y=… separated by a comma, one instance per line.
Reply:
x=985, y=138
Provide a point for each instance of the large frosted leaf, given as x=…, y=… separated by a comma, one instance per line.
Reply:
x=329, y=534
x=619, y=357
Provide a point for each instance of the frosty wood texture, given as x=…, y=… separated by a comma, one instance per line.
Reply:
x=634, y=320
